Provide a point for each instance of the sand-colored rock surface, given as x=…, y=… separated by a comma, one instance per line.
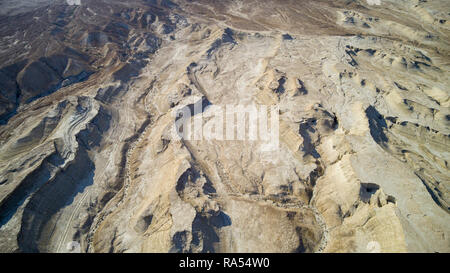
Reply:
x=90, y=91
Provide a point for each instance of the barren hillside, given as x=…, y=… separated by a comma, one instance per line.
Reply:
x=90, y=91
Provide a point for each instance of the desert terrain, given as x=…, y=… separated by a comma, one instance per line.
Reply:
x=89, y=93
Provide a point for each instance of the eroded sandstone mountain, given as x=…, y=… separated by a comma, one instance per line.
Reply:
x=89, y=91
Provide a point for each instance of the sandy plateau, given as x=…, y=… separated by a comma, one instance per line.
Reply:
x=89, y=90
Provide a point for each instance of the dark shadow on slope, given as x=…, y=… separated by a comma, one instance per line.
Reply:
x=203, y=232
x=377, y=125
x=41, y=213
x=30, y=184
x=227, y=38
x=305, y=130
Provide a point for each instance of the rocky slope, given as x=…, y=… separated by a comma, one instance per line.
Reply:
x=89, y=91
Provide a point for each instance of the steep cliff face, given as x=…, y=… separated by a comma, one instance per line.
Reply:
x=91, y=91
